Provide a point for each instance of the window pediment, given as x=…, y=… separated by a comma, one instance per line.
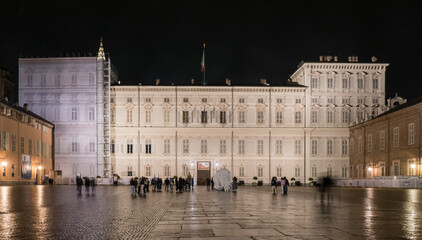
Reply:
x=129, y=105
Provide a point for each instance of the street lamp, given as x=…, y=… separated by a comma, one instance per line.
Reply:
x=4, y=164
x=413, y=165
x=370, y=169
x=39, y=167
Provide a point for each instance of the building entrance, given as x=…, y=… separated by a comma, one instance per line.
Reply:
x=203, y=172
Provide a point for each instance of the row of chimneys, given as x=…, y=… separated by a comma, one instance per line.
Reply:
x=350, y=59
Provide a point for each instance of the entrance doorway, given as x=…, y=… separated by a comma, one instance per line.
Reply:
x=203, y=172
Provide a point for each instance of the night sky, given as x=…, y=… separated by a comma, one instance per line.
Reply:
x=245, y=40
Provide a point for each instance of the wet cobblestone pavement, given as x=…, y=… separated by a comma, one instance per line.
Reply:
x=58, y=212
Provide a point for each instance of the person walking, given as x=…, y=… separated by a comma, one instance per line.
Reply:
x=188, y=179
x=167, y=183
x=208, y=184
x=79, y=183
x=193, y=181
x=212, y=183
x=171, y=184
x=132, y=188
x=283, y=182
x=180, y=184
x=154, y=184
x=87, y=185
x=160, y=184
x=93, y=183
x=286, y=186
x=147, y=184
x=274, y=185
x=234, y=184
x=176, y=183
x=144, y=186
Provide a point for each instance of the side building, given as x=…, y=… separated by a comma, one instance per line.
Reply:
x=388, y=145
x=73, y=93
x=26, y=146
x=299, y=129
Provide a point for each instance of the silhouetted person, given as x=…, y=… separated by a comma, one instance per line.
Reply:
x=79, y=183
x=93, y=183
x=208, y=184
x=234, y=183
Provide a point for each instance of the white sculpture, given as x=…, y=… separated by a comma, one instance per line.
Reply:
x=222, y=180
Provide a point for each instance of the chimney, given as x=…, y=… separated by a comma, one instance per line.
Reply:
x=192, y=81
x=264, y=82
x=228, y=82
x=25, y=106
x=157, y=81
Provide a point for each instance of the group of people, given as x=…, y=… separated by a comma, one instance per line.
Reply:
x=88, y=182
x=140, y=185
x=284, y=184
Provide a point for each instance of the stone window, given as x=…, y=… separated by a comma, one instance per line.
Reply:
x=166, y=146
x=411, y=133
x=185, y=145
x=396, y=137
x=260, y=117
x=314, y=147
x=129, y=146
x=204, y=146
x=279, y=117
x=241, y=146
x=148, y=116
x=298, y=117
x=260, y=144
x=382, y=140
x=148, y=146
x=222, y=146
x=166, y=117
x=298, y=147
x=279, y=146
x=314, y=116
x=241, y=116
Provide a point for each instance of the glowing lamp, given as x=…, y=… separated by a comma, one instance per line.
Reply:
x=4, y=164
x=413, y=166
x=370, y=169
x=39, y=167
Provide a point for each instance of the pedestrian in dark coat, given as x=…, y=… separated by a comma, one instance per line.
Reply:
x=87, y=185
x=208, y=184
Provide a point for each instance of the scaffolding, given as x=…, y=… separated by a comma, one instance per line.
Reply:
x=105, y=77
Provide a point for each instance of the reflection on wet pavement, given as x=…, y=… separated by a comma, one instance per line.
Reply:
x=58, y=212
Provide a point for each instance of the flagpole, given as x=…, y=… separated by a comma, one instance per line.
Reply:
x=203, y=62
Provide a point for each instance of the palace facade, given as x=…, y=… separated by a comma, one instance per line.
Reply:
x=295, y=129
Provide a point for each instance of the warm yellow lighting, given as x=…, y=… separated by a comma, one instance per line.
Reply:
x=4, y=164
x=370, y=169
x=39, y=167
x=413, y=166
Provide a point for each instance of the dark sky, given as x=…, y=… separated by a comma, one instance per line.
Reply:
x=245, y=40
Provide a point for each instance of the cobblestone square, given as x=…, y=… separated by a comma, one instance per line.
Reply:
x=58, y=212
